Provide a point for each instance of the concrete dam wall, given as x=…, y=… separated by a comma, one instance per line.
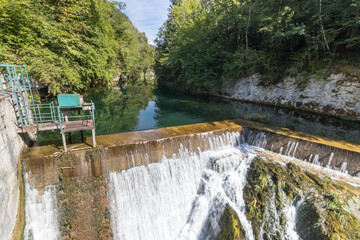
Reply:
x=11, y=146
x=127, y=150
x=79, y=195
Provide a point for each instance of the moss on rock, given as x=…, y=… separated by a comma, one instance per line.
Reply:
x=231, y=228
x=323, y=213
x=83, y=208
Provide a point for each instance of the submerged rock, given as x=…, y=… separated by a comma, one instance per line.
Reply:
x=287, y=202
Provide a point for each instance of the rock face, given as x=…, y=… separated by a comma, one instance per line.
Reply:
x=287, y=201
x=337, y=95
x=11, y=145
x=231, y=228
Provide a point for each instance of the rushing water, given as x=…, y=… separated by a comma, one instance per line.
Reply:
x=185, y=196
x=182, y=197
x=139, y=108
x=40, y=214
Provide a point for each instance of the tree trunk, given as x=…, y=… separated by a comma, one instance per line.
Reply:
x=353, y=33
x=247, y=27
x=322, y=27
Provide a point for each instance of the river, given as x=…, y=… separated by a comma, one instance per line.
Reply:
x=141, y=108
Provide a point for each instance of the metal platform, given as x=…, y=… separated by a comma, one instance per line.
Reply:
x=71, y=126
x=32, y=117
x=80, y=125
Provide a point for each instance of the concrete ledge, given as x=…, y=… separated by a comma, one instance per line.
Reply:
x=126, y=150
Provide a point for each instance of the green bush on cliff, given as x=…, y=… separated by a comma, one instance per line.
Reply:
x=72, y=45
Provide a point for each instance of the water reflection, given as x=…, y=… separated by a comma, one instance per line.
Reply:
x=139, y=108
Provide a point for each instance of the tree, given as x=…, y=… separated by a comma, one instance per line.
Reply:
x=206, y=41
x=72, y=46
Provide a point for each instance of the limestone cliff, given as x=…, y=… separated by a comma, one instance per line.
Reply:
x=336, y=95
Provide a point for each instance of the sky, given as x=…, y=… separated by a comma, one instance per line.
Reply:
x=147, y=15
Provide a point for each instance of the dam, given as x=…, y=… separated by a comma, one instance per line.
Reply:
x=218, y=179
x=202, y=181
x=179, y=120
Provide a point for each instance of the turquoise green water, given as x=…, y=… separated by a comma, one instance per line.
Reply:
x=139, y=108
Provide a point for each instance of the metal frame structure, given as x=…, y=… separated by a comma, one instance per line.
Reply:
x=32, y=117
x=78, y=123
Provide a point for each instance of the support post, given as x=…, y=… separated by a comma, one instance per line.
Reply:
x=93, y=136
x=64, y=141
x=81, y=132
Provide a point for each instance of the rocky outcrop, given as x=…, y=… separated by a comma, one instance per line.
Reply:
x=231, y=228
x=322, y=208
x=11, y=146
x=338, y=95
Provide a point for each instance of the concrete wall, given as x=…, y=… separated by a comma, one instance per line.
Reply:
x=337, y=95
x=80, y=176
x=11, y=146
x=46, y=165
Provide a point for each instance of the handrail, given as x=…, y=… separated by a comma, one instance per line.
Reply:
x=17, y=78
x=38, y=116
x=60, y=122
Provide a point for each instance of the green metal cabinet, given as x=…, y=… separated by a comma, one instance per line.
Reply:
x=69, y=100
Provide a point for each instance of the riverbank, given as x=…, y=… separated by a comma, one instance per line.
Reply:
x=337, y=95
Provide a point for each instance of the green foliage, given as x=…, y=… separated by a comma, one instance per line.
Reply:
x=205, y=41
x=73, y=45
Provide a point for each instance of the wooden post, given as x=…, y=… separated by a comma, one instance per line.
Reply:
x=64, y=141
x=93, y=136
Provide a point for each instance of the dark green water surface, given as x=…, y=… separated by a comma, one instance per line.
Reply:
x=140, y=108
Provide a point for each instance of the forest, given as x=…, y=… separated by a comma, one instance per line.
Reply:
x=73, y=45
x=205, y=42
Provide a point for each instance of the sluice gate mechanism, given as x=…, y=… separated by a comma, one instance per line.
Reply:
x=33, y=117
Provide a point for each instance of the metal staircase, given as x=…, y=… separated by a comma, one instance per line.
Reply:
x=32, y=117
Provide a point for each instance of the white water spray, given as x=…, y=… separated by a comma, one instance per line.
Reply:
x=182, y=197
x=40, y=214
x=330, y=159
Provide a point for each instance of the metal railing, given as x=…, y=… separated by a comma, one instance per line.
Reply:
x=44, y=114
x=14, y=80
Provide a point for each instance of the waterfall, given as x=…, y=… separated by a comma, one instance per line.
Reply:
x=40, y=213
x=182, y=197
x=222, y=183
x=271, y=222
x=290, y=210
